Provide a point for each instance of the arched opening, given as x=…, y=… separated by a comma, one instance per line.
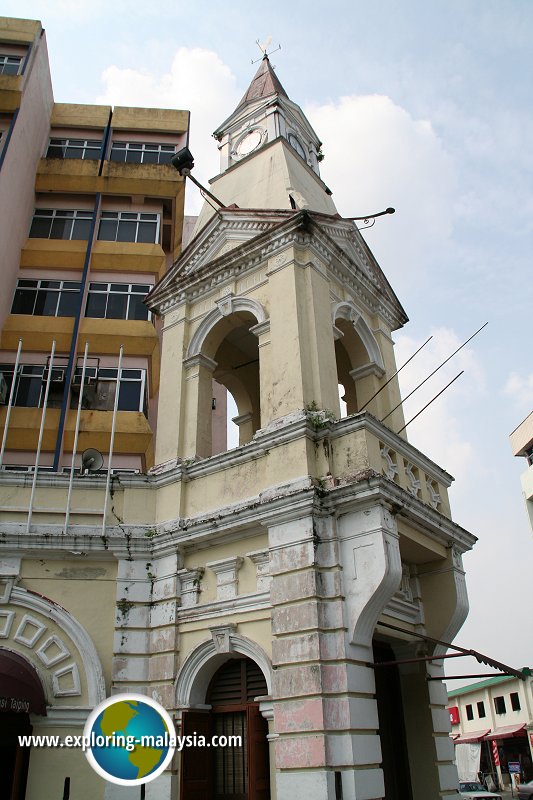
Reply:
x=350, y=354
x=239, y=768
x=21, y=692
x=234, y=348
x=358, y=357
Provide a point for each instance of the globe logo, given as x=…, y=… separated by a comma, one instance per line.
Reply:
x=129, y=739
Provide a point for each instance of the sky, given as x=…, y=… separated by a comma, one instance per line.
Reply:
x=425, y=107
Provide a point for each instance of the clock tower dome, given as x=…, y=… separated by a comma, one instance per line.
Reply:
x=269, y=153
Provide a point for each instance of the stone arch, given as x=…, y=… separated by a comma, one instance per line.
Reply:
x=349, y=312
x=224, y=357
x=202, y=663
x=44, y=650
x=228, y=305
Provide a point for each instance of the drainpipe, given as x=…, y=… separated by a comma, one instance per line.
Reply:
x=74, y=340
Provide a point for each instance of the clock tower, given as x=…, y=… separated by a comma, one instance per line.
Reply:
x=269, y=153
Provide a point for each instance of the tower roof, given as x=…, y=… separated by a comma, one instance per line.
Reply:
x=264, y=84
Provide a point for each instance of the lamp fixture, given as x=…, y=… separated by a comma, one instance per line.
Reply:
x=183, y=162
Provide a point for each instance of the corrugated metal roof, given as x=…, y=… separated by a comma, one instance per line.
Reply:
x=480, y=685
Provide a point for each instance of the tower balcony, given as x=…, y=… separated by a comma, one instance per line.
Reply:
x=331, y=454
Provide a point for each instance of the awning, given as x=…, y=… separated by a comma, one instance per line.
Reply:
x=472, y=736
x=20, y=687
x=506, y=732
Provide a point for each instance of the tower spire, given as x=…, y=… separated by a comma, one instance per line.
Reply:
x=264, y=84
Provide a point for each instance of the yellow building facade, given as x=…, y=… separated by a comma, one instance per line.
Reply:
x=264, y=587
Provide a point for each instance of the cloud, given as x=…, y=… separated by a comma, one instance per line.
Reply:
x=439, y=431
x=197, y=81
x=520, y=389
x=377, y=155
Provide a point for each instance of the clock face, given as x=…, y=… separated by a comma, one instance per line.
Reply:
x=249, y=142
x=296, y=144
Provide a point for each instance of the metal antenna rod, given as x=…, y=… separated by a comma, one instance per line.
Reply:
x=434, y=371
x=393, y=376
x=430, y=402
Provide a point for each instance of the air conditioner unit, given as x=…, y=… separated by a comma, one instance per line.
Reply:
x=3, y=389
x=58, y=376
x=90, y=380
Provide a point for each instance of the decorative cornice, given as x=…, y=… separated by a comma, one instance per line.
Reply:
x=186, y=280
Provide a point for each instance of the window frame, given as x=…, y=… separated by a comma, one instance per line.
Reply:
x=52, y=214
x=514, y=697
x=37, y=372
x=142, y=148
x=119, y=216
x=5, y=58
x=481, y=709
x=109, y=291
x=110, y=378
x=23, y=372
x=72, y=143
x=499, y=705
x=62, y=288
x=469, y=711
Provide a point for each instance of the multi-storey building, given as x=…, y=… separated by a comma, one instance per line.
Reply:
x=296, y=588
x=494, y=715
x=522, y=445
x=91, y=218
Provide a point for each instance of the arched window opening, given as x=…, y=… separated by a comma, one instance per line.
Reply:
x=342, y=401
x=225, y=430
x=234, y=348
x=345, y=380
x=241, y=768
x=352, y=355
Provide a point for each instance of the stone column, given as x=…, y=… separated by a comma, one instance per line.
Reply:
x=262, y=331
x=308, y=643
x=167, y=447
x=198, y=406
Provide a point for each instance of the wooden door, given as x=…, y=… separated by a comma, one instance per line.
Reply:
x=258, y=760
x=196, y=762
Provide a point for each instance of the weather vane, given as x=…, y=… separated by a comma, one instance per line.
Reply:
x=264, y=47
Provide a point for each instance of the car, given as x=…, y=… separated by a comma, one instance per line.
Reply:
x=475, y=790
x=525, y=791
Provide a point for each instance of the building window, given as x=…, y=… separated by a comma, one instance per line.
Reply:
x=529, y=456
x=499, y=705
x=10, y=65
x=31, y=382
x=60, y=224
x=515, y=701
x=128, y=226
x=117, y=301
x=469, y=712
x=74, y=148
x=481, y=709
x=101, y=387
x=142, y=153
x=46, y=298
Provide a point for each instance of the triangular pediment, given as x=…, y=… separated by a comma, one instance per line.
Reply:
x=236, y=241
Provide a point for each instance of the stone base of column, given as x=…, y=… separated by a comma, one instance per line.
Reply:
x=349, y=784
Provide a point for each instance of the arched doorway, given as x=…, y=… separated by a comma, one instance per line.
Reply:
x=21, y=692
x=240, y=769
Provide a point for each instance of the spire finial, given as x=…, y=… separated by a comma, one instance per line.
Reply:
x=263, y=46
